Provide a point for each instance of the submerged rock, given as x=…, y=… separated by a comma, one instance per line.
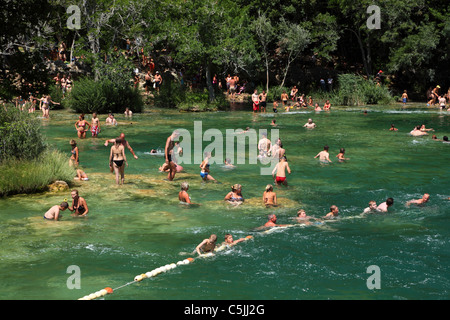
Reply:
x=58, y=185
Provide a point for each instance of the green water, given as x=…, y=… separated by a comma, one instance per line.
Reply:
x=140, y=226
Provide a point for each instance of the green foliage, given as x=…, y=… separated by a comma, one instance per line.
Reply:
x=32, y=175
x=57, y=95
x=20, y=136
x=103, y=96
x=355, y=90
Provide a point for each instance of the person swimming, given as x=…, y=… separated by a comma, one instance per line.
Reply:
x=207, y=245
x=183, y=196
x=235, y=196
x=269, y=197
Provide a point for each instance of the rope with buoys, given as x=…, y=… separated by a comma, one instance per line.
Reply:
x=149, y=274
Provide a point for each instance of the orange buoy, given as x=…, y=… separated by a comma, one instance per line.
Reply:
x=109, y=290
x=190, y=259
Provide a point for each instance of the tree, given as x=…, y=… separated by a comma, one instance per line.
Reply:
x=294, y=39
x=265, y=33
x=210, y=33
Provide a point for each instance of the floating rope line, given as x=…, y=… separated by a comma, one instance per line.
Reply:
x=149, y=274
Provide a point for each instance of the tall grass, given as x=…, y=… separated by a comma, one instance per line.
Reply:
x=27, y=176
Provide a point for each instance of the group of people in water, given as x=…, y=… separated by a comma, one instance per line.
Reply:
x=118, y=161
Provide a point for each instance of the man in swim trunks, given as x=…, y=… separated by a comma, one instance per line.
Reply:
x=207, y=245
x=158, y=81
x=53, y=212
x=124, y=143
x=255, y=99
x=170, y=144
x=280, y=169
x=95, y=125
x=262, y=100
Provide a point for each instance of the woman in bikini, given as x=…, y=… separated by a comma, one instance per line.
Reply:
x=204, y=166
x=80, y=125
x=74, y=156
x=45, y=100
x=269, y=197
x=117, y=158
x=235, y=195
x=79, y=205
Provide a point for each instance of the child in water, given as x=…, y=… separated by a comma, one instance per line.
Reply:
x=341, y=154
x=207, y=245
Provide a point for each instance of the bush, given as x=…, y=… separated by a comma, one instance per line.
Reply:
x=103, y=96
x=355, y=90
x=26, y=176
x=20, y=136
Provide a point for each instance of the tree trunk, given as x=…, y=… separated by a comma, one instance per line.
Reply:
x=285, y=73
x=267, y=75
x=212, y=94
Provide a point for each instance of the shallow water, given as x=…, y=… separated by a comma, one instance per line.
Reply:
x=140, y=226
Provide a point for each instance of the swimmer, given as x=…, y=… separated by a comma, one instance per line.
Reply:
x=170, y=144
x=95, y=125
x=302, y=217
x=280, y=170
x=264, y=145
x=80, y=126
x=445, y=139
x=424, y=129
x=385, y=205
x=74, y=156
x=423, y=200
x=372, y=208
x=334, y=212
x=81, y=175
x=417, y=132
x=393, y=128
x=269, y=197
x=204, y=166
x=273, y=123
x=323, y=156
x=207, y=245
x=54, y=212
x=309, y=125
x=235, y=195
x=272, y=222
x=228, y=164
x=230, y=242
x=327, y=105
x=128, y=112
x=79, y=205
x=341, y=154
x=117, y=161
x=110, y=120
x=183, y=196
x=434, y=137
x=317, y=107
x=124, y=143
